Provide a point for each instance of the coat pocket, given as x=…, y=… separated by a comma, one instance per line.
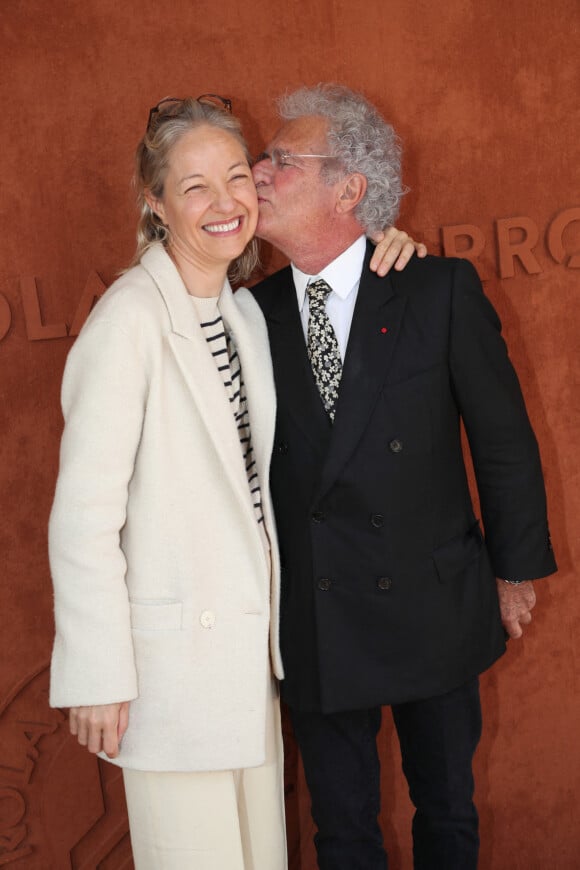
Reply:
x=156, y=615
x=452, y=557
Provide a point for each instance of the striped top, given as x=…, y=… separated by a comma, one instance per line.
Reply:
x=228, y=365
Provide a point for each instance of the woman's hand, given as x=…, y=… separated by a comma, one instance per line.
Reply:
x=100, y=727
x=394, y=247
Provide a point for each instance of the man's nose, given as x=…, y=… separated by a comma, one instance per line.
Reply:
x=262, y=170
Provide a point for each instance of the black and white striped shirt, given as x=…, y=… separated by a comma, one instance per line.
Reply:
x=228, y=364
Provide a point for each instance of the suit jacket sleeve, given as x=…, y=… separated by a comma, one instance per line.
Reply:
x=502, y=443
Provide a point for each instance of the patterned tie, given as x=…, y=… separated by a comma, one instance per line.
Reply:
x=323, y=347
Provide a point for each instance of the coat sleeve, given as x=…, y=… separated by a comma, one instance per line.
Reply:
x=104, y=398
x=503, y=446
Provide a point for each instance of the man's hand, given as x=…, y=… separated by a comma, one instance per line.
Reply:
x=394, y=247
x=516, y=603
x=100, y=727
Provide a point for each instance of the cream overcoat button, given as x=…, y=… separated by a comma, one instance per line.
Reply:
x=207, y=619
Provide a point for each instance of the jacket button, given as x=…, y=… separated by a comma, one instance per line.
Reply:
x=207, y=619
x=384, y=583
x=377, y=521
x=324, y=584
x=395, y=446
x=318, y=517
x=281, y=447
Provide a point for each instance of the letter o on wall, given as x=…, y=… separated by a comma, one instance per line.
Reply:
x=555, y=234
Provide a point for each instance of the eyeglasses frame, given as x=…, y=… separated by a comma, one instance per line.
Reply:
x=278, y=154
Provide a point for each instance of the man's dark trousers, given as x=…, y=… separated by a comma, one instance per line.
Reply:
x=438, y=738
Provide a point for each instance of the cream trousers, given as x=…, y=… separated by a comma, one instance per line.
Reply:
x=222, y=820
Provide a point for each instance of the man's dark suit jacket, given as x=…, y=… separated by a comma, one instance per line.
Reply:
x=388, y=585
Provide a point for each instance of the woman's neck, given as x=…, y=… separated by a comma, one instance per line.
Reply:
x=205, y=280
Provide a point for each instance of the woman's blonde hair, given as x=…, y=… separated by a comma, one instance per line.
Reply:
x=171, y=120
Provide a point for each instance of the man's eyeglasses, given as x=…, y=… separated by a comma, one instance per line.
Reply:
x=165, y=107
x=279, y=158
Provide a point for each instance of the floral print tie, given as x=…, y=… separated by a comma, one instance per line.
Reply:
x=323, y=347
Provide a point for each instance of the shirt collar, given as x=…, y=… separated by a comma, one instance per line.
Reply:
x=342, y=274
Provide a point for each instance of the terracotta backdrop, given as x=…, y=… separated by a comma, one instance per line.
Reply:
x=485, y=97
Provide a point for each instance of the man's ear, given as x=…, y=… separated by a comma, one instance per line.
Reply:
x=156, y=205
x=350, y=192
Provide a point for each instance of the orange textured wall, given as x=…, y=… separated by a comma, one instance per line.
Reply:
x=485, y=97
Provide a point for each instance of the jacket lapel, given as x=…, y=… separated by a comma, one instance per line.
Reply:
x=295, y=385
x=244, y=320
x=372, y=339
x=200, y=373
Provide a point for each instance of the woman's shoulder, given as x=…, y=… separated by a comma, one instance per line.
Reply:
x=131, y=302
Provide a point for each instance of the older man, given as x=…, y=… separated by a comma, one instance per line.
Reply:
x=390, y=593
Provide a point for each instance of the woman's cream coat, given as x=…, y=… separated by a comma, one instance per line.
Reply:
x=164, y=594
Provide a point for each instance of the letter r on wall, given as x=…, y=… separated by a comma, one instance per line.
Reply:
x=509, y=248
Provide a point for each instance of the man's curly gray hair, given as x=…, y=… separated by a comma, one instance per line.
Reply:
x=361, y=141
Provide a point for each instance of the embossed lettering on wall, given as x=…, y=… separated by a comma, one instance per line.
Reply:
x=36, y=328
x=516, y=239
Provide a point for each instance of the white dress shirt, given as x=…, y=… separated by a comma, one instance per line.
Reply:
x=343, y=275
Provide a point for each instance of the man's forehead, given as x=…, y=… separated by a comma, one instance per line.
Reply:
x=307, y=132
